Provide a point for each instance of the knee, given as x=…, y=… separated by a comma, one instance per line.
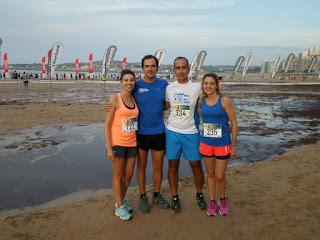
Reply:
x=128, y=176
x=157, y=168
x=220, y=178
x=142, y=165
x=211, y=175
x=196, y=169
x=118, y=175
x=173, y=168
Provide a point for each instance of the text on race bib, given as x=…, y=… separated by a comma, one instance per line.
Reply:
x=181, y=110
x=130, y=125
x=212, y=130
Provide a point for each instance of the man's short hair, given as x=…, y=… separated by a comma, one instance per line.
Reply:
x=180, y=58
x=149, y=57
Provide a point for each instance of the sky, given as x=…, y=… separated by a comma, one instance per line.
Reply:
x=226, y=29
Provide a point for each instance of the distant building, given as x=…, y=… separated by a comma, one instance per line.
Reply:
x=267, y=66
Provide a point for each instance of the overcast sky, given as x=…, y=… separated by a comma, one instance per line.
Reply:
x=224, y=28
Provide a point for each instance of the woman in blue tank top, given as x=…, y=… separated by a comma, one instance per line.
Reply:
x=216, y=144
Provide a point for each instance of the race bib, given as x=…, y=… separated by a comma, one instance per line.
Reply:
x=212, y=130
x=130, y=125
x=181, y=110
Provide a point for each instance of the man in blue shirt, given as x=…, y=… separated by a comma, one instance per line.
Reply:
x=149, y=94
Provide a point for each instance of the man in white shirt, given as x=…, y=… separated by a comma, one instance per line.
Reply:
x=182, y=134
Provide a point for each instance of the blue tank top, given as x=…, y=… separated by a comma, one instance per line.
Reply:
x=215, y=124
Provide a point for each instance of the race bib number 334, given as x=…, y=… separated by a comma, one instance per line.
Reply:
x=212, y=130
x=181, y=110
x=130, y=125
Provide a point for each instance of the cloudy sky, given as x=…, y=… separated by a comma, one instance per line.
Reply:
x=224, y=28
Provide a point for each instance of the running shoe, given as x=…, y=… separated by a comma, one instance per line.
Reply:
x=144, y=204
x=202, y=205
x=122, y=213
x=175, y=204
x=212, y=208
x=224, y=209
x=126, y=205
x=160, y=201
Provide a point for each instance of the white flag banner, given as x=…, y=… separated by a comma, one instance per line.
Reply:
x=194, y=63
x=108, y=59
x=56, y=50
x=238, y=64
x=246, y=64
x=160, y=54
x=288, y=63
x=276, y=65
x=312, y=63
x=200, y=59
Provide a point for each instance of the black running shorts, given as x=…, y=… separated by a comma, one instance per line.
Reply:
x=155, y=142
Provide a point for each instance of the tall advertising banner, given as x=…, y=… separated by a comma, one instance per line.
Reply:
x=200, y=59
x=76, y=66
x=238, y=64
x=193, y=66
x=5, y=63
x=312, y=63
x=160, y=54
x=49, y=63
x=124, y=63
x=91, y=65
x=288, y=62
x=107, y=60
x=276, y=65
x=0, y=50
x=246, y=64
x=56, y=51
x=43, y=66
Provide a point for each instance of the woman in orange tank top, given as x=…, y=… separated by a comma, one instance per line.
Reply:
x=121, y=146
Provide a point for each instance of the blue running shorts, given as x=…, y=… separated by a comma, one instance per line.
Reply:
x=178, y=144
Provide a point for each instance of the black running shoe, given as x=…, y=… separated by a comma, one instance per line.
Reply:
x=175, y=204
x=202, y=205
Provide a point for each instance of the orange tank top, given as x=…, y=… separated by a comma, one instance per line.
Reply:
x=124, y=125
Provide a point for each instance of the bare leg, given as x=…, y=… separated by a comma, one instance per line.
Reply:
x=128, y=175
x=172, y=175
x=210, y=165
x=141, y=171
x=198, y=176
x=118, y=165
x=220, y=176
x=157, y=164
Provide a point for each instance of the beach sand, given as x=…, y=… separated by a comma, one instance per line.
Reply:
x=274, y=199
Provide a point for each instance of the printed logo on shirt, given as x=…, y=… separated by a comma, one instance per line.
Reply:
x=181, y=98
x=143, y=90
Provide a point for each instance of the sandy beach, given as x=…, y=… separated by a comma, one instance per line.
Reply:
x=278, y=198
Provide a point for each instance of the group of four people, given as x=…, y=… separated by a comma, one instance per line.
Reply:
x=135, y=125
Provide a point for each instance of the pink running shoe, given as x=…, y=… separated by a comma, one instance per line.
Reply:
x=224, y=209
x=212, y=208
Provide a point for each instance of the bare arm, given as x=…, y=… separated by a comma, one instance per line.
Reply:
x=166, y=105
x=228, y=107
x=113, y=103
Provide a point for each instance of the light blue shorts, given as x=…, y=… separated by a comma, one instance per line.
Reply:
x=185, y=144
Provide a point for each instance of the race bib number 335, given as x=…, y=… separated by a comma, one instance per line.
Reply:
x=212, y=130
x=130, y=125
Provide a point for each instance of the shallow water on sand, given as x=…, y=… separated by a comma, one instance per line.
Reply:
x=40, y=164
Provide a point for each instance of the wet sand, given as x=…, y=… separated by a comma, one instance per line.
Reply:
x=274, y=199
